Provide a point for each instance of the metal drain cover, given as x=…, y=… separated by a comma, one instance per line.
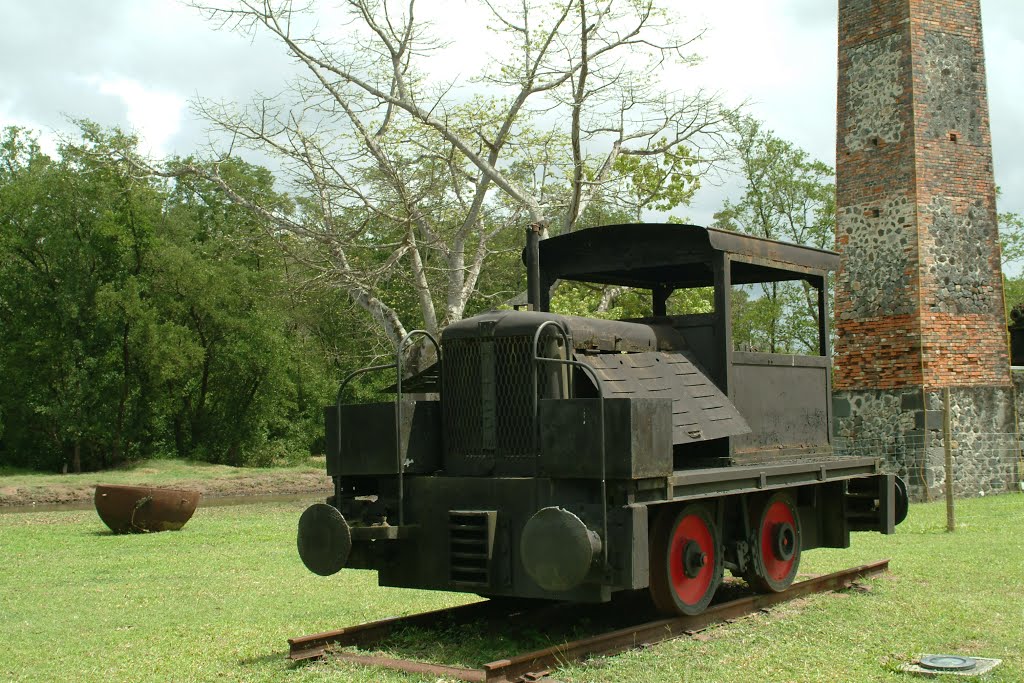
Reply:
x=947, y=662
x=950, y=665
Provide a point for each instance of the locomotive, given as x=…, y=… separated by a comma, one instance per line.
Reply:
x=558, y=457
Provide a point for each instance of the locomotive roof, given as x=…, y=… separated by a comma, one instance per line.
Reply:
x=662, y=254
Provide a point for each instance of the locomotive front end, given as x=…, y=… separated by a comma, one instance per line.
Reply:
x=514, y=468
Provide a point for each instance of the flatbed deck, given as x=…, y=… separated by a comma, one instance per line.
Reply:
x=725, y=481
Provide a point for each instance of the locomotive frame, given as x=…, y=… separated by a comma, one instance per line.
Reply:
x=557, y=457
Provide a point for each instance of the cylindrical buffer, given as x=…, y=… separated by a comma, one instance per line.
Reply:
x=558, y=549
x=324, y=539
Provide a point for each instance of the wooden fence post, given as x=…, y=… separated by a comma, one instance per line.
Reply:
x=947, y=438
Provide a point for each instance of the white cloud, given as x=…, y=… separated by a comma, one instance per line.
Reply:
x=46, y=138
x=150, y=56
x=154, y=114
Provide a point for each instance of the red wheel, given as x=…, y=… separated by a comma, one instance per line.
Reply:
x=686, y=560
x=776, y=545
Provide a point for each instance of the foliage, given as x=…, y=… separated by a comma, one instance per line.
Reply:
x=76, y=233
x=258, y=365
x=1011, y=237
x=787, y=196
x=597, y=301
x=662, y=184
x=623, y=303
x=141, y=318
x=1011, y=233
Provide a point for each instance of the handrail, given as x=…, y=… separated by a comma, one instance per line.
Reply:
x=398, y=413
x=600, y=422
x=355, y=373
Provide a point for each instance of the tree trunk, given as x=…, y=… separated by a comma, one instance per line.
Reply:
x=117, y=450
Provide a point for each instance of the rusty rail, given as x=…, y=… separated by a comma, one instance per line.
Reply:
x=532, y=666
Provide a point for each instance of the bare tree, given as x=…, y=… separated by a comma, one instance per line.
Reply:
x=407, y=183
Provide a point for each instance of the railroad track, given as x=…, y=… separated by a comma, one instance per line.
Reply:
x=533, y=666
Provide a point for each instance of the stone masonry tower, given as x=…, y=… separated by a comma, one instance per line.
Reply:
x=919, y=301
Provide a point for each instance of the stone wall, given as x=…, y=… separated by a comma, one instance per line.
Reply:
x=905, y=428
x=952, y=89
x=872, y=93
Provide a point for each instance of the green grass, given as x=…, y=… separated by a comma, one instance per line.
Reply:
x=218, y=600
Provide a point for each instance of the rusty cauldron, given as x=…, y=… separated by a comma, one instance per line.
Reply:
x=138, y=509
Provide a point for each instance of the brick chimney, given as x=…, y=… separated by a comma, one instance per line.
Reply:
x=919, y=300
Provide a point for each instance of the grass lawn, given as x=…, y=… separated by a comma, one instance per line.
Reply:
x=218, y=600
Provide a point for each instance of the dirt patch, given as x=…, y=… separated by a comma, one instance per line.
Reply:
x=267, y=485
x=262, y=484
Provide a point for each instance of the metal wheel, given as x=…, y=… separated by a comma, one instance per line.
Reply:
x=686, y=560
x=776, y=547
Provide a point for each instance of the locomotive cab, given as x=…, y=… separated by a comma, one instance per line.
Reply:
x=550, y=456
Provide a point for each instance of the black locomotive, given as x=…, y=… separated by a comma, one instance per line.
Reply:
x=550, y=456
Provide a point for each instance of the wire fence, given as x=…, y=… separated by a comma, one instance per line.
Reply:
x=982, y=463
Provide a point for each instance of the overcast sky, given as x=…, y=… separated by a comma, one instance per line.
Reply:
x=138, y=63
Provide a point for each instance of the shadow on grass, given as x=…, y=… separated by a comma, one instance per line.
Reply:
x=518, y=628
x=521, y=627
x=269, y=658
x=105, y=532
x=101, y=532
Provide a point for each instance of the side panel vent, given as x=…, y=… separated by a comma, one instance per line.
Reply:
x=470, y=546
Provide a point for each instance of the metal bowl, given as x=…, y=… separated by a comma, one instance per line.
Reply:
x=138, y=509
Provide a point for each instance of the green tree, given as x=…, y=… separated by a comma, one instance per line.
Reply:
x=1011, y=237
x=787, y=196
x=256, y=375
x=76, y=231
x=661, y=182
x=143, y=317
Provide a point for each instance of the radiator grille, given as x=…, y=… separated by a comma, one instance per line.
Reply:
x=487, y=397
x=470, y=540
